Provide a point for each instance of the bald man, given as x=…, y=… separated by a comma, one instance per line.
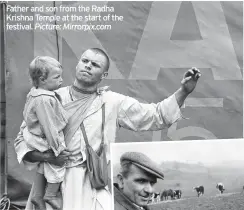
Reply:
x=120, y=111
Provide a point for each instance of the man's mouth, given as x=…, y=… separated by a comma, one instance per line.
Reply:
x=145, y=198
x=86, y=72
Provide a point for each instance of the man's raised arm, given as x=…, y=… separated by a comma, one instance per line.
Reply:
x=188, y=84
x=143, y=117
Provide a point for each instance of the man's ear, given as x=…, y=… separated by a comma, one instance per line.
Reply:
x=105, y=74
x=120, y=180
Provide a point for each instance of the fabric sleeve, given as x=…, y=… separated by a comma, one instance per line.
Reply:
x=138, y=116
x=83, y=153
x=51, y=122
x=22, y=149
x=20, y=146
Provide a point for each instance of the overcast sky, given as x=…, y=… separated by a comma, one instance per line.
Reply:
x=205, y=151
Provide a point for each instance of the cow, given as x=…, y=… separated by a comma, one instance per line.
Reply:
x=178, y=194
x=199, y=190
x=167, y=193
x=220, y=187
x=155, y=197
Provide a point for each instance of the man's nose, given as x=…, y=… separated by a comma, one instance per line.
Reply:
x=88, y=65
x=148, y=188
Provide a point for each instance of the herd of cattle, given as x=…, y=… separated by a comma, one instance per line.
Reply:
x=176, y=194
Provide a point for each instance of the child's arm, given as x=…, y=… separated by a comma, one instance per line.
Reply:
x=52, y=121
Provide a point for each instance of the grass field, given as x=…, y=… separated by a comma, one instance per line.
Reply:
x=228, y=201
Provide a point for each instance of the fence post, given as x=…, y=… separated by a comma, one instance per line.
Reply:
x=3, y=142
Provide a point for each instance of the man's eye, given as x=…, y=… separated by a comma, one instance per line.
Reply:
x=95, y=64
x=141, y=181
x=84, y=60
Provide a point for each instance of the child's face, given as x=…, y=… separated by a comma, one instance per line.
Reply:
x=54, y=79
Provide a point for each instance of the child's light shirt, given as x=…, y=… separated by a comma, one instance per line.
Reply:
x=45, y=117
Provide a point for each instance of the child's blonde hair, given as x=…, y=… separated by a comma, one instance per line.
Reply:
x=40, y=67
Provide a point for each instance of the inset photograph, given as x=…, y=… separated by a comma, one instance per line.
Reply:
x=178, y=175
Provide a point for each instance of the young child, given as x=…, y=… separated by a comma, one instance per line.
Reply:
x=45, y=119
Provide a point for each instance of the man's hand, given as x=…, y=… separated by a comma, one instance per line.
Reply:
x=188, y=84
x=190, y=79
x=59, y=160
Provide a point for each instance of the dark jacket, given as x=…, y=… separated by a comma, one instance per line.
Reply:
x=121, y=202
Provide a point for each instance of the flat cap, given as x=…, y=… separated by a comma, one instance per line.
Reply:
x=142, y=161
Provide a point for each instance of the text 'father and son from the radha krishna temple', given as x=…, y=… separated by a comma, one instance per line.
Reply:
x=60, y=8
x=15, y=14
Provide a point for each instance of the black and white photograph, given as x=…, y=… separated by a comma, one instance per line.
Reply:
x=178, y=175
x=77, y=76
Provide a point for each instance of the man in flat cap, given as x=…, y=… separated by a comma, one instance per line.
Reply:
x=136, y=181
